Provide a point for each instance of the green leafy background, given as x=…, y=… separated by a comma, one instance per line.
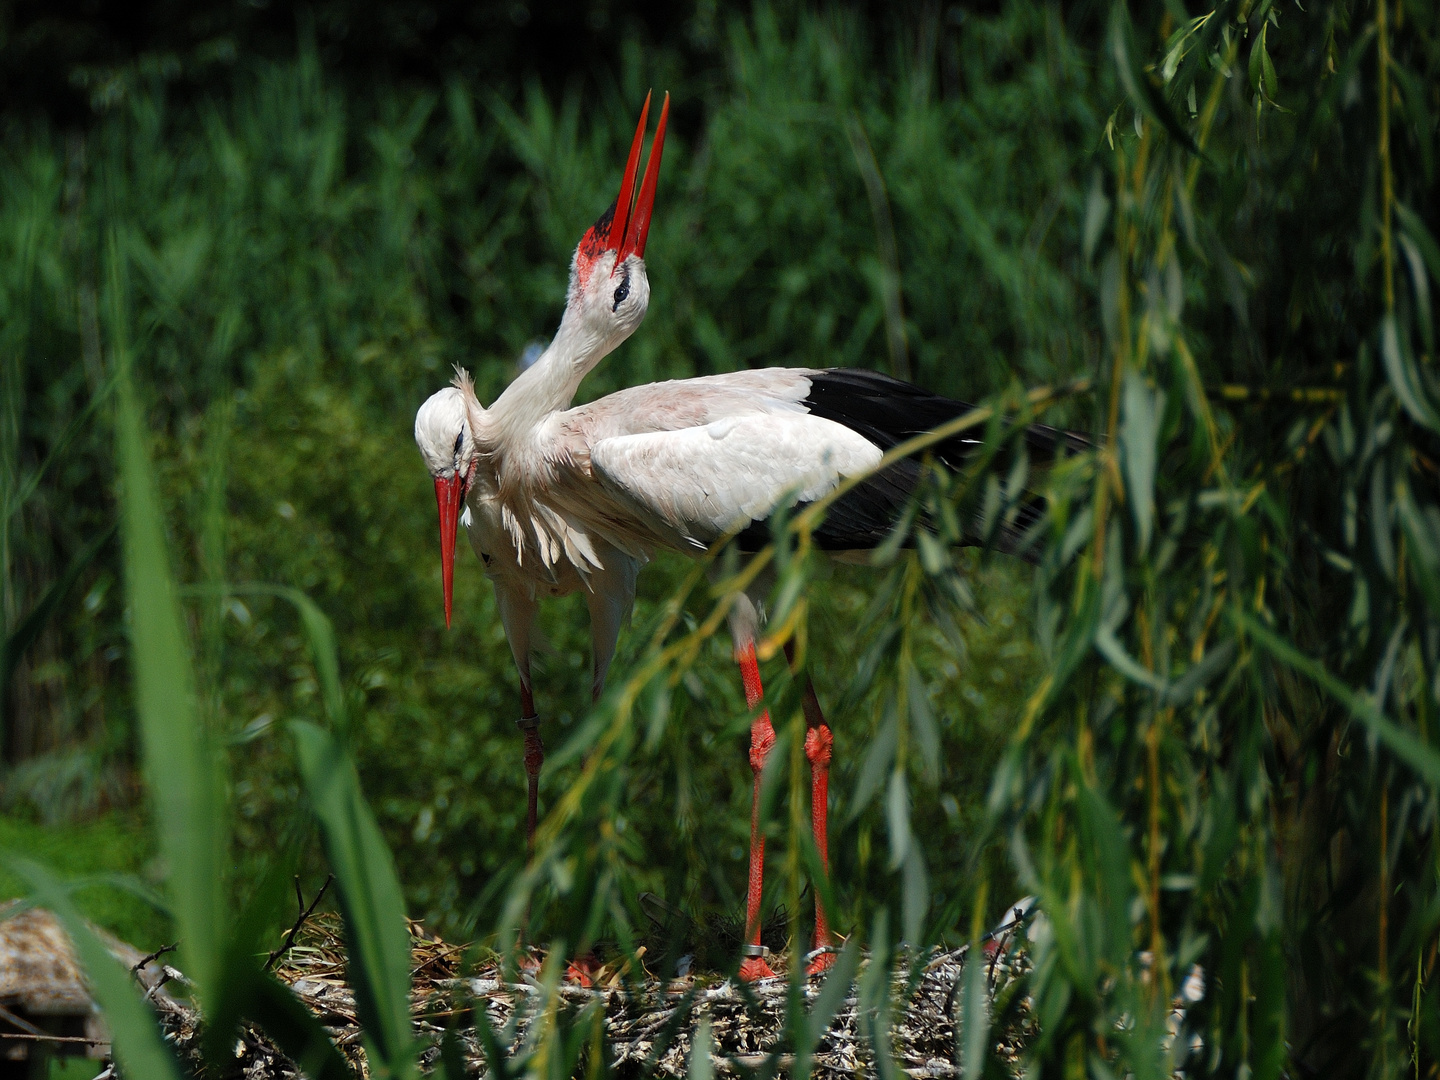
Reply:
x=1201, y=729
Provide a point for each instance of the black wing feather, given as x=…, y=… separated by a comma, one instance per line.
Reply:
x=888, y=412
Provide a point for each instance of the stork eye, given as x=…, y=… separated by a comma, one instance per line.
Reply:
x=620, y=294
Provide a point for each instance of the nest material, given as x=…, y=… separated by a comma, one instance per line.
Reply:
x=649, y=1024
x=38, y=969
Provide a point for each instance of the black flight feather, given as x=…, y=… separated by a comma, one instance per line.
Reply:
x=888, y=412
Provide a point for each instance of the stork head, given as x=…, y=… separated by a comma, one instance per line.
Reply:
x=443, y=433
x=609, y=290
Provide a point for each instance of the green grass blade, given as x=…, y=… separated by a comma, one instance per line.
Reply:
x=295, y=1029
x=702, y=1061
x=832, y=995
x=452, y=1055
x=21, y=494
x=1403, y=743
x=248, y=992
x=976, y=1028
x=1143, y=410
x=318, y=629
x=179, y=765
x=323, y=649
x=24, y=635
x=370, y=899
x=139, y=1047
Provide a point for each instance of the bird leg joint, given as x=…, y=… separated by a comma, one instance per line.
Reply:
x=818, y=744
x=534, y=751
x=762, y=738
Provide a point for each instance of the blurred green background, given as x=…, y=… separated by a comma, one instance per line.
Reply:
x=1203, y=732
x=324, y=209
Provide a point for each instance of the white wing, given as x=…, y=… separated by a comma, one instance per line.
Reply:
x=696, y=484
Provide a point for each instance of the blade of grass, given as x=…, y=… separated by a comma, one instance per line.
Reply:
x=180, y=766
x=318, y=629
x=21, y=495
x=1406, y=746
x=370, y=899
x=976, y=1014
x=139, y=1046
x=832, y=996
x=702, y=1062
x=24, y=635
x=251, y=993
x=323, y=650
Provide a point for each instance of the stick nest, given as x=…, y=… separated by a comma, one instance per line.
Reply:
x=649, y=1024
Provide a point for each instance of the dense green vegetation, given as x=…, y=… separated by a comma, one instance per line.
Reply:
x=112, y=851
x=307, y=275
x=1202, y=729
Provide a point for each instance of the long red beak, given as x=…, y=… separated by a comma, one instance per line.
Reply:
x=449, y=492
x=630, y=228
x=621, y=217
x=639, y=229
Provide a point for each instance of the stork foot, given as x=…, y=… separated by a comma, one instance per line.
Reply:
x=755, y=967
x=821, y=964
x=582, y=971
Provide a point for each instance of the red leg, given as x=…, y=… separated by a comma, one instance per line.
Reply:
x=534, y=758
x=762, y=738
x=818, y=744
x=529, y=723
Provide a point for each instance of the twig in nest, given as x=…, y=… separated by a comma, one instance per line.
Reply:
x=23, y=1024
x=166, y=974
x=305, y=913
x=144, y=961
x=166, y=971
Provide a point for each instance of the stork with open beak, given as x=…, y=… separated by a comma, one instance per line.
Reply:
x=563, y=498
x=539, y=551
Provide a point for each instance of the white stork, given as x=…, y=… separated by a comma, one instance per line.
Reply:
x=565, y=498
x=543, y=553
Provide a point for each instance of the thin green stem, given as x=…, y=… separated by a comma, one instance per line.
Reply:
x=1387, y=182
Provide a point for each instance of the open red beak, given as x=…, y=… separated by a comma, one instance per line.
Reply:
x=449, y=493
x=630, y=227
